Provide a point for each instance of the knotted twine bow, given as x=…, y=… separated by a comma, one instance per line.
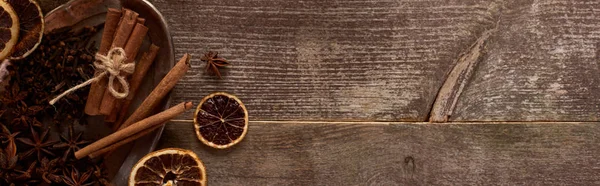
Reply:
x=112, y=65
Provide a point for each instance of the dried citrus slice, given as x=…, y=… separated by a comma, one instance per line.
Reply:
x=31, y=21
x=221, y=120
x=9, y=29
x=171, y=166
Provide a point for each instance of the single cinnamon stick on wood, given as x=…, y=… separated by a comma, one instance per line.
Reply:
x=130, y=131
x=161, y=90
x=113, y=17
x=131, y=50
x=141, y=68
x=122, y=36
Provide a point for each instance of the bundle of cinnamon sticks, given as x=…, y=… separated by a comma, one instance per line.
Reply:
x=124, y=28
x=140, y=123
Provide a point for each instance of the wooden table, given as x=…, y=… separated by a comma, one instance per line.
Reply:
x=397, y=92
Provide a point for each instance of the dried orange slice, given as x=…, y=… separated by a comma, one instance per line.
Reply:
x=31, y=21
x=171, y=166
x=9, y=29
x=221, y=120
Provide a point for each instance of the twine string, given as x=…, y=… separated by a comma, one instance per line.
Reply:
x=112, y=65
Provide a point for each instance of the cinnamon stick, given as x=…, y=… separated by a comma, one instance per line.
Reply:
x=135, y=128
x=113, y=17
x=113, y=147
x=131, y=48
x=141, y=20
x=126, y=27
x=128, y=22
x=161, y=90
x=141, y=68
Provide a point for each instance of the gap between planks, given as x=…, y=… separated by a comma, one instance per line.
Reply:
x=411, y=123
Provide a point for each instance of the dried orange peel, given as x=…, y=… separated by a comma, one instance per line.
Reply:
x=9, y=29
x=171, y=166
x=221, y=120
x=31, y=21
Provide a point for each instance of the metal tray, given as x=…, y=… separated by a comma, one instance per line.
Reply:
x=79, y=13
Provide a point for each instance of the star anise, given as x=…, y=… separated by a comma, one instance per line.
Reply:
x=14, y=175
x=9, y=138
x=70, y=144
x=25, y=115
x=100, y=175
x=7, y=162
x=48, y=170
x=7, y=166
x=213, y=62
x=14, y=95
x=74, y=178
x=38, y=143
x=25, y=175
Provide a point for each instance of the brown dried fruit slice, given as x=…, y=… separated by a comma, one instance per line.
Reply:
x=31, y=21
x=9, y=29
x=221, y=120
x=171, y=166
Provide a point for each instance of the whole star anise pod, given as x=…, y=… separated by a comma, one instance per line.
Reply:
x=13, y=95
x=100, y=175
x=25, y=115
x=7, y=165
x=26, y=175
x=74, y=178
x=70, y=144
x=8, y=138
x=38, y=143
x=213, y=62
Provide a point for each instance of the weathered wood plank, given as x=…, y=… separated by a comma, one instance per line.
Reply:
x=543, y=65
x=326, y=60
x=401, y=154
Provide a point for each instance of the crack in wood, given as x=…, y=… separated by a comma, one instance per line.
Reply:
x=450, y=91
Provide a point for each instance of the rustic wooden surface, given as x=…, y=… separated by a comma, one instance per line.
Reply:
x=326, y=60
x=308, y=70
x=288, y=153
x=542, y=65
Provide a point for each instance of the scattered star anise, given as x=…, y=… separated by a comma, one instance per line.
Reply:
x=70, y=144
x=38, y=143
x=63, y=59
x=213, y=62
x=74, y=178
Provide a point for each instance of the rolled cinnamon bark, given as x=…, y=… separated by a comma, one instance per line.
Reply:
x=141, y=68
x=114, y=146
x=131, y=50
x=126, y=27
x=135, y=128
x=113, y=17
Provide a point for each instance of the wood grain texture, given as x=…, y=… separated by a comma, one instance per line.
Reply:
x=543, y=65
x=360, y=60
x=458, y=78
x=401, y=154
